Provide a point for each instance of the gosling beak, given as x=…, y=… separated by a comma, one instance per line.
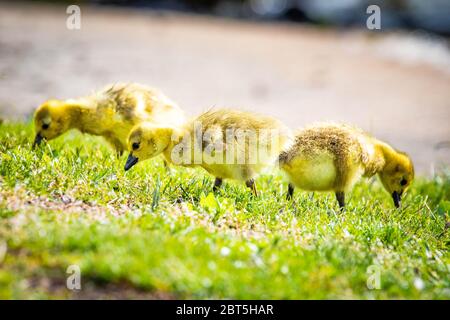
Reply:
x=397, y=197
x=131, y=161
x=37, y=140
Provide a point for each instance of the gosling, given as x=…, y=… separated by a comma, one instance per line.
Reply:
x=111, y=113
x=228, y=144
x=331, y=157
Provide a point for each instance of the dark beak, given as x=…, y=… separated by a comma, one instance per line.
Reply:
x=397, y=197
x=37, y=140
x=131, y=161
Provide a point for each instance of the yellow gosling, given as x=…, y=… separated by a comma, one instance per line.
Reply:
x=111, y=113
x=228, y=144
x=330, y=157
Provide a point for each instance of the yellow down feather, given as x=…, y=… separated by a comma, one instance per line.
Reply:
x=111, y=112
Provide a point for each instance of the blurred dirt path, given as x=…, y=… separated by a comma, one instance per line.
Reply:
x=300, y=74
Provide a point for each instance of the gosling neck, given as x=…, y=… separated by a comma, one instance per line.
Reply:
x=80, y=113
x=175, y=142
x=385, y=153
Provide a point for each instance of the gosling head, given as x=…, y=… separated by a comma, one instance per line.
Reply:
x=146, y=141
x=397, y=176
x=50, y=121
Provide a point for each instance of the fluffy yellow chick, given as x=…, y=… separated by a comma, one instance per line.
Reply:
x=111, y=113
x=330, y=157
x=228, y=144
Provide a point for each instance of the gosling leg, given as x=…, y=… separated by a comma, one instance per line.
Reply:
x=251, y=184
x=217, y=184
x=117, y=145
x=290, y=192
x=166, y=165
x=340, y=197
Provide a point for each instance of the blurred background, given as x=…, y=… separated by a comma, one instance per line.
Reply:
x=299, y=60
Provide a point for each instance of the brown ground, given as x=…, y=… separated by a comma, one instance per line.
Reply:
x=300, y=74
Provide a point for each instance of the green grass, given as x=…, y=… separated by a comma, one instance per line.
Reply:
x=152, y=231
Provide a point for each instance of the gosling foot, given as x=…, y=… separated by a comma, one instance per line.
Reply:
x=251, y=184
x=217, y=184
x=340, y=197
x=290, y=192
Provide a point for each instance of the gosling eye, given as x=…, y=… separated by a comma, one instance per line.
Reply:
x=135, y=145
x=403, y=182
x=45, y=126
